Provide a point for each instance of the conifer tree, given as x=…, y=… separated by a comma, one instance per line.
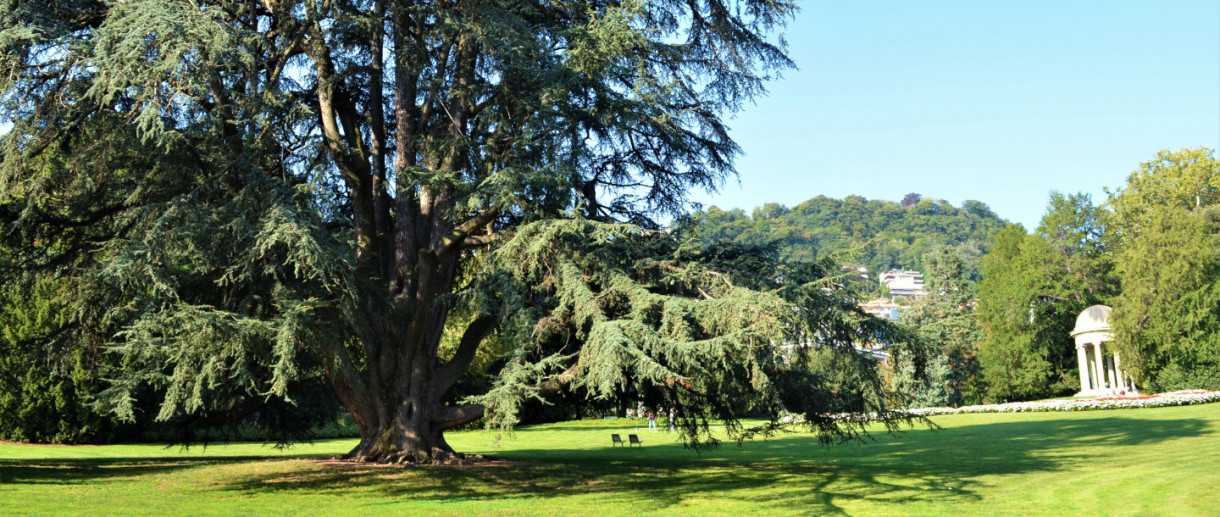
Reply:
x=256, y=195
x=947, y=334
x=1166, y=231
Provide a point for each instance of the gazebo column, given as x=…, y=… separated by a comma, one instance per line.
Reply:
x=1088, y=357
x=1089, y=353
x=1101, y=366
x=1118, y=372
x=1083, y=360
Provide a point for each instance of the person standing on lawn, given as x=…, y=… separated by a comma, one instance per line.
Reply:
x=652, y=421
x=671, y=420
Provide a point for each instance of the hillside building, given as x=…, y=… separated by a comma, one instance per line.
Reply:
x=903, y=283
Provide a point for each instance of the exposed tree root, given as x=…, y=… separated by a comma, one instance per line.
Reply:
x=437, y=458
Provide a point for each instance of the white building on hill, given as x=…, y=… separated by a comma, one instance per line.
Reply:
x=903, y=283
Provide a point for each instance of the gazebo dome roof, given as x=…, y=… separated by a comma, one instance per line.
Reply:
x=1093, y=319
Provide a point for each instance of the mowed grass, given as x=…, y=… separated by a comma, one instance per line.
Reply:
x=1122, y=462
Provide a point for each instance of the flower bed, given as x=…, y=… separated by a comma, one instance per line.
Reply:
x=1177, y=398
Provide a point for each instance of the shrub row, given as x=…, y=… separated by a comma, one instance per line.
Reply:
x=1177, y=398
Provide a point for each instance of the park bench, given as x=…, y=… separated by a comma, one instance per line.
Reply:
x=615, y=440
x=635, y=440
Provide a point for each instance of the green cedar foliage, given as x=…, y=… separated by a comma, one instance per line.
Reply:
x=879, y=235
x=1166, y=228
x=1033, y=288
x=53, y=334
x=268, y=206
x=717, y=332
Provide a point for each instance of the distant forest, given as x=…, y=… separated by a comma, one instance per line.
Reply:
x=879, y=235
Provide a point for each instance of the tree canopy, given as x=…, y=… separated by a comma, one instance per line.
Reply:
x=1166, y=231
x=255, y=199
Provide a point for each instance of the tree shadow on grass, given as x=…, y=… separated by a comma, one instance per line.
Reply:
x=84, y=470
x=786, y=473
x=783, y=473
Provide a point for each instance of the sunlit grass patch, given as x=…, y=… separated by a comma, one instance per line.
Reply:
x=1119, y=462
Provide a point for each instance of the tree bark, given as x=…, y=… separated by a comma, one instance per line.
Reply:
x=408, y=246
x=406, y=421
x=410, y=435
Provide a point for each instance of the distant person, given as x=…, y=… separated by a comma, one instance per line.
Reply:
x=671, y=420
x=652, y=421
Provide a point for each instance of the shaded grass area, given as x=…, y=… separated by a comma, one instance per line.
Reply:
x=1122, y=462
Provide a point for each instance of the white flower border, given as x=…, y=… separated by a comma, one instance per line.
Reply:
x=1177, y=398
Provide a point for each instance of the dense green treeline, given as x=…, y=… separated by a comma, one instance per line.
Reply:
x=1033, y=288
x=877, y=234
x=1151, y=251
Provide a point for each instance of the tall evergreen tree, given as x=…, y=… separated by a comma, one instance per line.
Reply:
x=44, y=382
x=259, y=194
x=1166, y=224
x=947, y=334
x=1014, y=366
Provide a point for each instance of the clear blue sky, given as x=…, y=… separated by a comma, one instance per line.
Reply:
x=1001, y=102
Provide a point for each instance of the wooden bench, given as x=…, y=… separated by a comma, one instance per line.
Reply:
x=616, y=440
x=635, y=440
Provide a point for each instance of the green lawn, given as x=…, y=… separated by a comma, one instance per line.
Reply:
x=1122, y=462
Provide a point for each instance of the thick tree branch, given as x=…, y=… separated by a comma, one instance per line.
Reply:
x=457, y=237
x=333, y=110
x=381, y=198
x=448, y=374
x=475, y=241
x=448, y=417
x=554, y=384
x=347, y=384
x=406, y=202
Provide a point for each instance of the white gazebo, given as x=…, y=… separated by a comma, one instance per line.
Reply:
x=1100, y=372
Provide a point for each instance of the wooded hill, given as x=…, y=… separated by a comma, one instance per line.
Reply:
x=877, y=234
